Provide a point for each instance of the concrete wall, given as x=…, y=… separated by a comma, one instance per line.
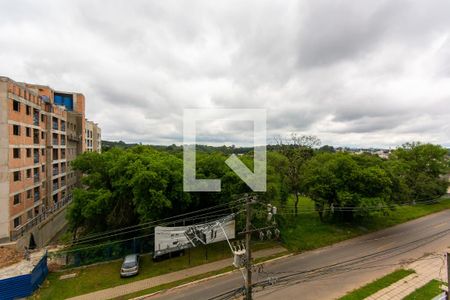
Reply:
x=44, y=232
x=22, y=286
x=97, y=139
x=4, y=154
x=79, y=103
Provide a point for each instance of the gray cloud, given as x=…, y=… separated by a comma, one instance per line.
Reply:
x=354, y=73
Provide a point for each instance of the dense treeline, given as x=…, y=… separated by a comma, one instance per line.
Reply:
x=125, y=186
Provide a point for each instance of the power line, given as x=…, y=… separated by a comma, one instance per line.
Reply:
x=149, y=226
x=152, y=222
x=95, y=235
x=248, y=251
x=137, y=227
x=356, y=263
x=104, y=244
x=418, y=202
x=294, y=277
x=210, y=215
x=285, y=208
x=121, y=241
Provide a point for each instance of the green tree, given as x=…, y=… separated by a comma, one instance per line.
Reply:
x=128, y=186
x=346, y=185
x=298, y=150
x=422, y=168
x=125, y=187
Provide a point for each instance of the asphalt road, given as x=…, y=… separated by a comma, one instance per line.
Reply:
x=331, y=272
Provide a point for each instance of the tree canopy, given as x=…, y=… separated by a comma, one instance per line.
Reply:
x=126, y=186
x=345, y=184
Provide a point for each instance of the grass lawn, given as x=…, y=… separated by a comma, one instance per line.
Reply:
x=303, y=232
x=428, y=291
x=190, y=279
x=377, y=285
x=307, y=232
x=106, y=275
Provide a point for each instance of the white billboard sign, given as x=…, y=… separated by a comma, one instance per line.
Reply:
x=170, y=239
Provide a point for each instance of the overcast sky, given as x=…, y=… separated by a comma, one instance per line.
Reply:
x=356, y=73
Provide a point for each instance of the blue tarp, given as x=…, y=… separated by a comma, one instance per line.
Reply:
x=64, y=100
x=24, y=285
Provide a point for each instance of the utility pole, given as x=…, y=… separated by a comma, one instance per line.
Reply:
x=448, y=276
x=248, y=236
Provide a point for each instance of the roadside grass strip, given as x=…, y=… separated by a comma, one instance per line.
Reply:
x=194, y=279
x=428, y=291
x=377, y=285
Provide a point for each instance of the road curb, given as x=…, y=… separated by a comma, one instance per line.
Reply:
x=205, y=279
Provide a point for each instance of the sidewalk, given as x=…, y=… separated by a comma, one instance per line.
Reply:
x=431, y=267
x=140, y=285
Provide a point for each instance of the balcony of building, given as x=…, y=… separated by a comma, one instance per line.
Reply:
x=37, y=195
x=73, y=137
x=55, y=123
x=55, y=185
x=55, y=170
x=55, y=139
x=36, y=175
x=55, y=154
x=36, y=156
x=36, y=136
x=36, y=117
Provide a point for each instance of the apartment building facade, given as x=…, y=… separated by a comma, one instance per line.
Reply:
x=41, y=132
x=93, y=137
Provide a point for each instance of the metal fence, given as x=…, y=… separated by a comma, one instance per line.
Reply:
x=45, y=214
x=97, y=250
x=24, y=285
x=89, y=254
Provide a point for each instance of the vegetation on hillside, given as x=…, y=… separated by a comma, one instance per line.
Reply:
x=127, y=186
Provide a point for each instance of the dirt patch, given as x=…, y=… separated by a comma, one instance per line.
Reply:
x=53, y=267
x=9, y=256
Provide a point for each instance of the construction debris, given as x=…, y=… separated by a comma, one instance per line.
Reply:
x=9, y=256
